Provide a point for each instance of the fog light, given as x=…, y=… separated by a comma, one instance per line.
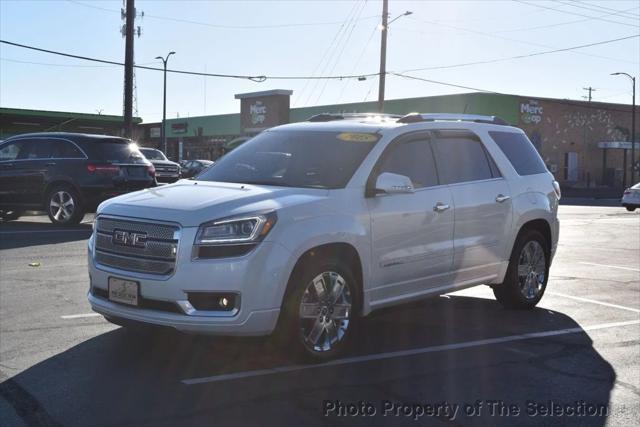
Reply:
x=224, y=302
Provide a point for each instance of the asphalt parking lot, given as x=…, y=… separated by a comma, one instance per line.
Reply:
x=459, y=359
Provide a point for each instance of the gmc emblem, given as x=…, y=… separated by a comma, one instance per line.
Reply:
x=127, y=238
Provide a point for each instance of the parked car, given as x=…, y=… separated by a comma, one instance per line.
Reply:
x=310, y=226
x=631, y=198
x=192, y=168
x=166, y=170
x=68, y=174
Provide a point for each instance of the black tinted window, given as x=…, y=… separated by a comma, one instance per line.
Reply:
x=520, y=152
x=37, y=149
x=461, y=160
x=12, y=150
x=118, y=151
x=294, y=159
x=413, y=159
x=65, y=150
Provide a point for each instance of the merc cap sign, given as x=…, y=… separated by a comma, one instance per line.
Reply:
x=262, y=110
x=531, y=112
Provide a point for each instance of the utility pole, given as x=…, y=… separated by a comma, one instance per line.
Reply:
x=128, y=69
x=383, y=55
x=633, y=133
x=590, y=89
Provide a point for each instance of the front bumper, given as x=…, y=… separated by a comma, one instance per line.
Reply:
x=259, y=279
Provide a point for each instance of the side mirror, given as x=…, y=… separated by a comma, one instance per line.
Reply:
x=392, y=183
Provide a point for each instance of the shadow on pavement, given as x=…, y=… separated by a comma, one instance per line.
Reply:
x=126, y=378
x=34, y=231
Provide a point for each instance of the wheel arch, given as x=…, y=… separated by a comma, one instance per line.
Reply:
x=343, y=251
x=61, y=182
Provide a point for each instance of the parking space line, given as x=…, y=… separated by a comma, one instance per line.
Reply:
x=610, y=266
x=592, y=301
x=80, y=316
x=404, y=353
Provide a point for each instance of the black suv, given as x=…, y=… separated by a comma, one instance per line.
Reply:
x=166, y=170
x=68, y=174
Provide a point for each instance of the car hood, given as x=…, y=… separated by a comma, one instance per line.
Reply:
x=192, y=203
x=164, y=163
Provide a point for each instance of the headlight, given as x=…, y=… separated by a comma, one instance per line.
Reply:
x=245, y=229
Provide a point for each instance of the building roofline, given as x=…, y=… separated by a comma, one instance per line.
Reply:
x=273, y=92
x=65, y=114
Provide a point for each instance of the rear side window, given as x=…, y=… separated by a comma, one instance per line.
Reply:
x=413, y=159
x=118, y=151
x=461, y=160
x=520, y=151
x=65, y=150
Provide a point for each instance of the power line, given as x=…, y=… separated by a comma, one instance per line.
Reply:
x=259, y=79
x=221, y=26
x=604, y=7
x=560, y=24
x=591, y=9
x=345, y=43
x=574, y=13
x=262, y=78
x=328, y=56
x=490, y=61
x=494, y=35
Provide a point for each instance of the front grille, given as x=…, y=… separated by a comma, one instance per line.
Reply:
x=157, y=256
x=171, y=169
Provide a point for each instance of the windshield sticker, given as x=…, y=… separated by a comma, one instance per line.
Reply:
x=358, y=137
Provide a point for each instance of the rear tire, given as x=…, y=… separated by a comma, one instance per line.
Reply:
x=63, y=205
x=318, y=316
x=526, y=278
x=631, y=208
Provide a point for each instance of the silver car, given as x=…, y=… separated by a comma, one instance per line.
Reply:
x=631, y=198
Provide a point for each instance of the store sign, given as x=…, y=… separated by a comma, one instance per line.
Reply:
x=531, y=112
x=179, y=127
x=258, y=112
x=154, y=132
x=625, y=145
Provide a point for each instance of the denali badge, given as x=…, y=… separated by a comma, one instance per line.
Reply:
x=126, y=238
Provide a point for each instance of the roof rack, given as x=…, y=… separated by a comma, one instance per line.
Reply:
x=416, y=117
x=329, y=117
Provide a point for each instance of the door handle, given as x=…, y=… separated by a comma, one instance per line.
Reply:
x=440, y=207
x=50, y=164
x=502, y=198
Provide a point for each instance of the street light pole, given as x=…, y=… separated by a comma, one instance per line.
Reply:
x=383, y=52
x=163, y=135
x=633, y=128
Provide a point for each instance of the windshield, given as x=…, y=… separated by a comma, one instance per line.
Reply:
x=152, y=154
x=293, y=159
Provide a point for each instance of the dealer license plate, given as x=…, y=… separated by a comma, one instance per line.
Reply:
x=123, y=291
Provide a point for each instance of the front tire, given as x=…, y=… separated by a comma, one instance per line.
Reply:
x=527, y=274
x=64, y=206
x=630, y=208
x=319, y=315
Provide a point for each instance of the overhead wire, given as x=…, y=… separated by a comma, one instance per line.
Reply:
x=574, y=13
x=221, y=26
x=344, y=45
x=590, y=9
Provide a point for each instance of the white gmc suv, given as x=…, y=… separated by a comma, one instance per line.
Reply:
x=309, y=226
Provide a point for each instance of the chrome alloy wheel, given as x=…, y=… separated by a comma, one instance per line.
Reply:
x=61, y=206
x=324, y=311
x=531, y=269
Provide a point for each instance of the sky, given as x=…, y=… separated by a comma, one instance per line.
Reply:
x=313, y=38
